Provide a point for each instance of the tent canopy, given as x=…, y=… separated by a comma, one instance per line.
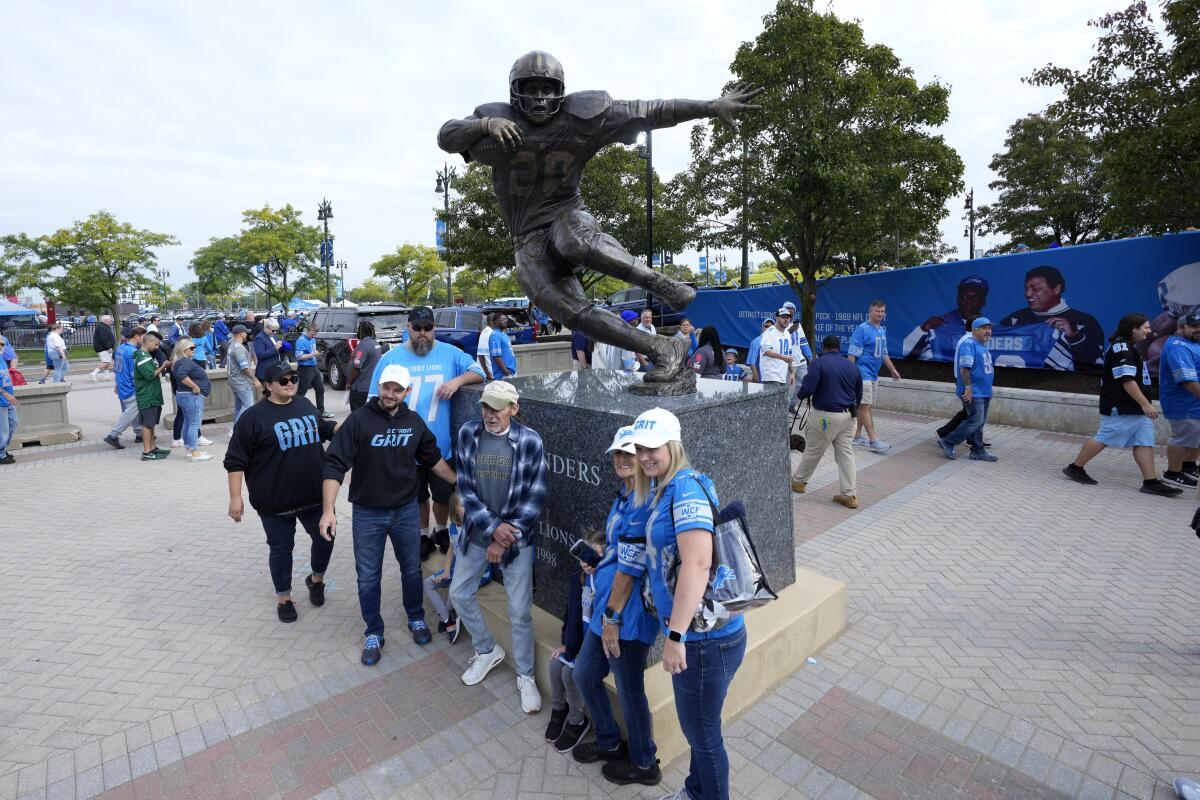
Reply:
x=8, y=309
x=299, y=304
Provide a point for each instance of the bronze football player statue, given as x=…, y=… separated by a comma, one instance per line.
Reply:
x=537, y=145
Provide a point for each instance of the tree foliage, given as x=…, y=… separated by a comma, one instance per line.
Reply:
x=842, y=156
x=88, y=265
x=1050, y=186
x=477, y=286
x=277, y=241
x=1140, y=98
x=416, y=273
x=371, y=291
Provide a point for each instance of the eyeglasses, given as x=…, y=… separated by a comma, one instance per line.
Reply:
x=188, y=349
x=422, y=328
x=288, y=380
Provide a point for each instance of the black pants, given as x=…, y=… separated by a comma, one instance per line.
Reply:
x=954, y=422
x=281, y=539
x=311, y=377
x=357, y=400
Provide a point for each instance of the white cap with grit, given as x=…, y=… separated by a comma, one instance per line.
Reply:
x=656, y=427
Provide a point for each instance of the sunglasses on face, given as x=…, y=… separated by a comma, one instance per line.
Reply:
x=422, y=328
x=188, y=349
x=288, y=380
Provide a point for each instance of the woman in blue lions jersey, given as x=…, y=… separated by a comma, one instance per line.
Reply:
x=680, y=527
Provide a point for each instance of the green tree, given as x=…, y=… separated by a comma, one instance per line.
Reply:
x=843, y=152
x=479, y=286
x=274, y=253
x=89, y=265
x=371, y=290
x=1050, y=186
x=415, y=272
x=1140, y=95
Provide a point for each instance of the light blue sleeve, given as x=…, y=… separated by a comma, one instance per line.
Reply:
x=495, y=346
x=857, y=342
x=690, y=508
x=464, y=363
x=1180, y=364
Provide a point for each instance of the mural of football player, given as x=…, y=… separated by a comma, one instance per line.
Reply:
x=951, y=326
x=537, y=145
x=1081, y=333
x=1178, y=293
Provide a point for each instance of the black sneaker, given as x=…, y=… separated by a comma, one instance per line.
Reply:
x=287, y=610
x=8, y=459
x=316, y=591
x=427, y=547
x=570, y=736
x=590, y=753
x=420, y=632
x=450, y=627
x=1079, y=475
x=113, y=442
x=558, y=718
x=441, y=538
x=1159, y=488
x=137, y=440
x=372, y=646
x=1193, y=471
x=160, y=453
x=1180, y=479
x=624, y=772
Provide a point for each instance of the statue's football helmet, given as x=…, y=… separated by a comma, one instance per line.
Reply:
x=536, y=64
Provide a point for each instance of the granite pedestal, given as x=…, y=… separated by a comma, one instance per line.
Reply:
x=736, y=433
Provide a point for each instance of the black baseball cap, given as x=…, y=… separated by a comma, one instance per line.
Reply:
x=421, y=315
x=240, y=329
x=1192, y=317
x=278, y=370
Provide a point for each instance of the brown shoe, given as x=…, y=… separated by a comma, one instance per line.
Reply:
x=798, y=486
x=847, y=500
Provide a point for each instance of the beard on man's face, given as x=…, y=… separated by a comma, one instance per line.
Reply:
x=421, y=346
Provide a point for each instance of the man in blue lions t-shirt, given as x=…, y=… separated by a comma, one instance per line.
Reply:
x=500, y=352
x=1179, y=395
x=438, y=370
x=869, y=351
x=123, y=370
x=973, y=377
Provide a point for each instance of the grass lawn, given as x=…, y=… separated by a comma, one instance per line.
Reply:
x=36, y=358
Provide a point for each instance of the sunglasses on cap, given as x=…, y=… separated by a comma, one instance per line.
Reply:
x=288, y=380
x=422, y=328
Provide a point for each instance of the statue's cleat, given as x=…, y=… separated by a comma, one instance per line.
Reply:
x=677, y=295
x=670, y=359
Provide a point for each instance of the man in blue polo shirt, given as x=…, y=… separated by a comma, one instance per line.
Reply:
x=974, y=375
x=500, y=352
x=1179, y=395
x=126, y=393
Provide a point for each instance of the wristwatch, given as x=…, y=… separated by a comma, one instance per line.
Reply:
x=611, y=617
x=676, y=636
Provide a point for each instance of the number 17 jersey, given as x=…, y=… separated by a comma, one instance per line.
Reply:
x=443, y=363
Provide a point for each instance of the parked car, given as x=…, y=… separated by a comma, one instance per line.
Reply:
x=336, y=339
x=634, y=298
x=460, y=325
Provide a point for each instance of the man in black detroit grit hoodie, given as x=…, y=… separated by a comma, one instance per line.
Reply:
x=382, y=443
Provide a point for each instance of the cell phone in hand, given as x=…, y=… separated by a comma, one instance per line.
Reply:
x=585, y=553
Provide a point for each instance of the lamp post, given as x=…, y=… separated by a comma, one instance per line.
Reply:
x=446, y=176
x=646, y=151
x=745, y=213
x=969, y=207
x=324, y=214
x=341, y=265
x=162, y=273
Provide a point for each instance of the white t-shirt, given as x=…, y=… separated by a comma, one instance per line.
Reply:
x=485, y=338
x=53, y=342
x=609, y=356
x=772, y=369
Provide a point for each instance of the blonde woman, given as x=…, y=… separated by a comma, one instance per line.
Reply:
x=194, y=386
x=702, y=665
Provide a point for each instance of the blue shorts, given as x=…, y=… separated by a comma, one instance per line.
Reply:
x=1126, y=430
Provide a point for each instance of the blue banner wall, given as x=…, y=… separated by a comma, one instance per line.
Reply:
x=738, y=313
x=1034, y=325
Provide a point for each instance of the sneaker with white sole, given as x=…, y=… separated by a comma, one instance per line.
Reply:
x=204, y=441
x=860, y=440
x=177, y=443
x=200, y=457
x=531, y=698
x=481, y=664
x=877, y=446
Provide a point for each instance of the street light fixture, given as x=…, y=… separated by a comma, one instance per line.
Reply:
x=445, y=176
x=969, y=207
x=324, y=214
x=341, y=265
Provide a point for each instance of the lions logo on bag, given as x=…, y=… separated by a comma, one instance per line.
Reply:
x=724, y=573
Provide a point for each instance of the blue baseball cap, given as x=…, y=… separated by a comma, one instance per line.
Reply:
x=974, y=280
x=731, y=351
x=768, y=322
x=980, y=322
x=629, y=315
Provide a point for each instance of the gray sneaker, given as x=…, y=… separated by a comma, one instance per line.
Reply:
x=877, y=446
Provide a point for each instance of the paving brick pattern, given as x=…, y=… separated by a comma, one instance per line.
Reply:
x=1011, y=634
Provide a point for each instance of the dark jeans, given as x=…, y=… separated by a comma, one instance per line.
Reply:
x=357, y=400
x=281, y=538
x=971, y=429
x=629, y=671
x=311, y=377
x=699, y=694
x=372, y=528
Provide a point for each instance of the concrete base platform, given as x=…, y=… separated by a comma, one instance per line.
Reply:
x=808, y=615
x=42, y=414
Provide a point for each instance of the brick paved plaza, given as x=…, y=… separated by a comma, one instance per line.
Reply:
x=1011, y=635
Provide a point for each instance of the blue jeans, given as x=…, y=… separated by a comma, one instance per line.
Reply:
x=469, y=566
x=243, y=398
x=971, y=429
x=629, y=671
x=191, y=406
x=8, y=428
x=372, y=528
x=699, y=694
x=60, y=368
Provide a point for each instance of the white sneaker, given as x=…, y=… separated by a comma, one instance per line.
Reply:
x=482, y=664
x=531, y=698
x=204, y=441
x=877, y=446
x=177, y=443
x=860, y=440
x=93, y=376
x=201, y=457
x=682, y=794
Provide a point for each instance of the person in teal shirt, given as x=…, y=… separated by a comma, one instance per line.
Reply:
x=504, y=362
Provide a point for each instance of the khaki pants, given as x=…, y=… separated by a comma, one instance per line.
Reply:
x=823, y=429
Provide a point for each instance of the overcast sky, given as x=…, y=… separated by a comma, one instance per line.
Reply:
x=178, y=116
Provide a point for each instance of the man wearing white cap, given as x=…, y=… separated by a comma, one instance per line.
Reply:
x=775, y=355
x=800, y=351
x=382, y=442
x=502, y=487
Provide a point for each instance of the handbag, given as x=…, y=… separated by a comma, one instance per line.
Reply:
x=736, y=581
